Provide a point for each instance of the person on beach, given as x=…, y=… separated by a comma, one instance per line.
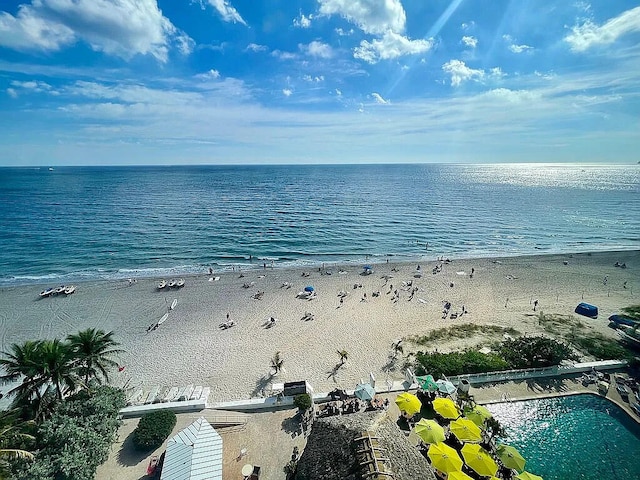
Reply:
x=227, y=316
x=535, y=305
x=210, y=271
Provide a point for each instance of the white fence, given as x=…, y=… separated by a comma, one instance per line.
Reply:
x=509, y=375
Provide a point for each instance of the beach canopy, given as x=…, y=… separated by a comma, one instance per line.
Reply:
x=367, y=267
x=445, y=386
x=429, y=431
x=427, y=383
x=528, y=476
x=308, y=288
x=446, y=408
x=465, y=430
x=587, y=310
x=511, y=457
x=444, y=458
x=458, y=476
x=195, y=453
x=479, y=460
x=364, y=391
x=408, y=403
x=477, y=414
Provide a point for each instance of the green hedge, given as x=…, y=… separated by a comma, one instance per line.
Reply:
x=458, y=363
x=302, y=401
x=153, y=429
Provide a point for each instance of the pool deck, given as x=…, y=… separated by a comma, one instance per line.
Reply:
x=268, y=436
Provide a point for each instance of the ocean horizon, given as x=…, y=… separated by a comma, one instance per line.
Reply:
x=92, y=223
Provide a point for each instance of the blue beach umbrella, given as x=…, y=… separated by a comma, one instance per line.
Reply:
x=367, y=267
x=308, y=288
x=445, y=386
x=364, y=391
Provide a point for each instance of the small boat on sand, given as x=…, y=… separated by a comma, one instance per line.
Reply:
x=60, y=289
x=46, y=293
x=162, y=284
x=173, y=304
x=180, y=283
x=70, y=289
x=171, y=284
x=163, y=319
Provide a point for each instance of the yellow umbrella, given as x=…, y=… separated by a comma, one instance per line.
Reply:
x=458, y=476
x=465, y=430
x=444, y=458
x=511, y=457
x=408, y=403
x=429, y=431
x=478, y=459
x=446, y=408
x=528, y=476
x=478, y=414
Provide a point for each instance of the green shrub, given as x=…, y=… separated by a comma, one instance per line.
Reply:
x=601, y=347
x=458, y=363
x=153, y=429
x=302, y=401
x=534, y=352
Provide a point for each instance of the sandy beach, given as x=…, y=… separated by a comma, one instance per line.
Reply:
x=189, y=347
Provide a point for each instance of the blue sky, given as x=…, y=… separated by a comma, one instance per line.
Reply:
x=97, y=82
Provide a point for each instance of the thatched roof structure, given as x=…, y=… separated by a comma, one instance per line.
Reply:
x=330, y=453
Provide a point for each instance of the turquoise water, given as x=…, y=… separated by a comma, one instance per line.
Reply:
x=579, y=437
x=77, y=223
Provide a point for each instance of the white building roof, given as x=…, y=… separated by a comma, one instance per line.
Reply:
x=194, y=454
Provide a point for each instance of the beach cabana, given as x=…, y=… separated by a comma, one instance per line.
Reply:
x=195, y=453
x=587, y=310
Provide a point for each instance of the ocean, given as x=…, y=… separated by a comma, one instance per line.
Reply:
x=88, y=223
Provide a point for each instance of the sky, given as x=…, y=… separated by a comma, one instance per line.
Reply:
x=135, y=82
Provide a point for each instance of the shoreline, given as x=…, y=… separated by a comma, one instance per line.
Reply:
x=190, y=348
x=298, y=264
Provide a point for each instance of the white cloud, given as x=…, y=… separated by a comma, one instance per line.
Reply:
x=519, y=48
x=468, y=25
x=372, y=16
x=344, y=33
x=587, y=35
x=496, y=72
x=283, y=55
x=338, y=92
x=287, y=92
x=226, y=11
x=211, y=74
x=303, y=21
x=317, y=49
x=124, y=28
x=391, y=45
x=32, y=85
x=460, y=72
x=317, y=79
x=470, y=41
x=512, y=96
x=12, y=92
x=254, y=47
x=378, y=98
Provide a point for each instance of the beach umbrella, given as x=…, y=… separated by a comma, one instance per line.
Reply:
x=427, y=383
x=528, y=476
x=367, y=267
x=429, y=431
x=510, y=457
x=364, y=391
x=458, y=476
x=446, y=408
x=478, y=459
x=408, y=403
x=444, y=458
x=465, y=430
x=308, y=288
x=445, y=386
x=477, y=414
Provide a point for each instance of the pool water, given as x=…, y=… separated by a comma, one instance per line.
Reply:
x=574, y=437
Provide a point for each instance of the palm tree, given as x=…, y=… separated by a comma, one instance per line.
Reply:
x=23, y=361
x=57, y=366
x=11, y=434
x=396, y=348
x=277, y=364
x=344, y=355
x=93, y=350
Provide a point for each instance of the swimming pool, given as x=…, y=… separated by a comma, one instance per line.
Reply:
x=574, y=437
